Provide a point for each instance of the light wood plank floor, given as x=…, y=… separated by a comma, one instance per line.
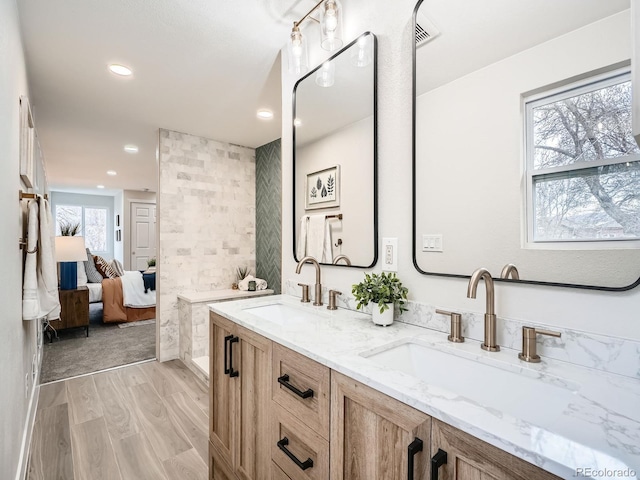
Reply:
x=146, y=421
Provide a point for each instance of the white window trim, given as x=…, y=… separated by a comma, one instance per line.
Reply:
x=82, y=231
x=559, y=93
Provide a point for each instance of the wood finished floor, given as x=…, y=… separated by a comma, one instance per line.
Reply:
x=146, y=421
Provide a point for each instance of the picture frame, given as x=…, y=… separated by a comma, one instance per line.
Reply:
x=322, y=188
x=118, y=235
x=117, y=220
x=27, y=143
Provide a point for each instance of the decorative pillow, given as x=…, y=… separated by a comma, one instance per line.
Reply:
x=117, y=267
x=82, y=274
x=104, y=267
x=93, y=275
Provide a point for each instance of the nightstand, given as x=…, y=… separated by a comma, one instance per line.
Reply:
x=74, y=309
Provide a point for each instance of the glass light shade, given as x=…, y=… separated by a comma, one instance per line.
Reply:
x=326, y=75
x=362, y=54
x=70, y=249
x=331, y=25
x=297, y=52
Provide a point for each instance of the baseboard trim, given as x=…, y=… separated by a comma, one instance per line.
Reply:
x=25, y=448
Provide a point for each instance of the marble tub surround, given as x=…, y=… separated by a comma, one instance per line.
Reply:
x=193, y=313
x=598, y=427
x=609, y=354
x=206, y=226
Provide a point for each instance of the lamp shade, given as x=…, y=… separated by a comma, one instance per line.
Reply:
x=70, y=249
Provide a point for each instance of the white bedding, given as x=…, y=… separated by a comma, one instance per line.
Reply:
x=95, y=292
x=133, y=291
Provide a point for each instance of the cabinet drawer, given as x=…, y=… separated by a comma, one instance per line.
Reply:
x=302, y=443
x=277, y=473
x=297, y=372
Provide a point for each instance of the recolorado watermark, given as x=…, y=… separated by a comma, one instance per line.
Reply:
x=589, y=472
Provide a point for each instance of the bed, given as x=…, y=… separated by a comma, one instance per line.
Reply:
x=138, y=303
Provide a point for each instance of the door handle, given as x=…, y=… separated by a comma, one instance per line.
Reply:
x=284, y=381
x=282, y=445
x=226, y=353
x=439, y=459
x=412, y=450
x=232, y=372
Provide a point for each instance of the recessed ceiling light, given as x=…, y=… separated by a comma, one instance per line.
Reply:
x=120, y=70
x=100, y=186
x=297, y=122
x=112, y=173
x=131, y=148
x=265, y=114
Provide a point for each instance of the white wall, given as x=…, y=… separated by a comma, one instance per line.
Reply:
x=600, y=312
x=129, y=197
x=351, y=148
x=18, y=337
x=102, y=201
x=469, y=132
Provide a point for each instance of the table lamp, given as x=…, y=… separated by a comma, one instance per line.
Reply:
x=70, y=251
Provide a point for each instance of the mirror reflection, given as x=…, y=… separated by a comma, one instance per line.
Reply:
x=523, y=146
x=334, y=156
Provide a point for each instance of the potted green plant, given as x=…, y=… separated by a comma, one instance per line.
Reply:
x=241, y=274
x=151, y=262
x=383, y=289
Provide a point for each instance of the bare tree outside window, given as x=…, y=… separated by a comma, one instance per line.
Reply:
x=68, y=215
x=585, y=165
x=93, y=224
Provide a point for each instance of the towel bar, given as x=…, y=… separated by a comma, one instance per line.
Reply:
x=23, y=195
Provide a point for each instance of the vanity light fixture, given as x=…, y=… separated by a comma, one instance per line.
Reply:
x=112, y=173
x=120, y=70
x=363, y=54
x=330, y=30
x=265, y=114
x=131, y=148
x=326, y=75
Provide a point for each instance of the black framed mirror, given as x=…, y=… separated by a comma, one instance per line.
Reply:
x=335, y=203
x=511, y=162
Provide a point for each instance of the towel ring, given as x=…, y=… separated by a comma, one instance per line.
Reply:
x=23, y=244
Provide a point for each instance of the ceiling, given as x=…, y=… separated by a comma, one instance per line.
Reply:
x=201, y=67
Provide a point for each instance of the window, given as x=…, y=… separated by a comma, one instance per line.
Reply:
x=92, y=221
x=582, y=163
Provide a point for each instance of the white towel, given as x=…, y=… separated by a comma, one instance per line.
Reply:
x=40, y=289
x=133, y=294
x=244, y=283
x=319, y=239
x=301, y=251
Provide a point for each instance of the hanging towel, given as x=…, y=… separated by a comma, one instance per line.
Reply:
x=301, y=251
x=40, y=289
x=316, y=237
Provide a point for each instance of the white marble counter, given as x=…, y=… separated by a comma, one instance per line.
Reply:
x=598, y=430
x=221, y=295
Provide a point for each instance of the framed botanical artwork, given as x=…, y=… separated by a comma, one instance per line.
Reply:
x=323, y=188
x=27, y=141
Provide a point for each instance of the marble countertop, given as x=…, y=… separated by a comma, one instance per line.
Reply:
x=220, y=295
x=598, y=430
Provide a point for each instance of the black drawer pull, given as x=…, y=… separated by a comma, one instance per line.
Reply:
x=437, y=461
x=226, y=353
x=232, y=372
x=412, y=450
x=282, y=445
x=284, y=381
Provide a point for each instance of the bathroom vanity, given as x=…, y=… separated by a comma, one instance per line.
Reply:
x=299, y=392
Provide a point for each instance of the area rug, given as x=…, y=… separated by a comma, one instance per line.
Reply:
x=72, y=353
x=137, y=324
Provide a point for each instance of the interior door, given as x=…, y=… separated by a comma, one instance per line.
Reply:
x=143, y=234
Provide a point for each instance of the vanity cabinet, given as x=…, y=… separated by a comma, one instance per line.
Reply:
x=375, y=436
x=471, y=459
x=240, y=372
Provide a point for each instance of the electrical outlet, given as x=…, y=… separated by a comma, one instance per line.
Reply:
x=432, y=243
x=390, y=254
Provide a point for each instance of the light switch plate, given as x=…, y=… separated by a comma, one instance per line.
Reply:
x=432, y=243
x=390, y=254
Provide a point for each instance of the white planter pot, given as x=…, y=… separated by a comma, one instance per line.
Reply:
x=385, y=318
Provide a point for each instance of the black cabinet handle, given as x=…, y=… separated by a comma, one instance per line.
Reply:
x=232, y=372
x=226, y=353
x=284, y=381
x=437, y=461
x=412, y=450
x=282, y=445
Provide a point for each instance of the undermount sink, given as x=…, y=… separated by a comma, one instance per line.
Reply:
x=282, y=314
x=513, y=393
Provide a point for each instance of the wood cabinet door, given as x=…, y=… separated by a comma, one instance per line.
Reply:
x=469, y=458
x=252, y=360
x=221, y=388
x=371, y=434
